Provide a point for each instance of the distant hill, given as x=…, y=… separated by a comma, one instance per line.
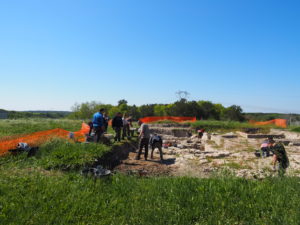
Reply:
x=47, y=111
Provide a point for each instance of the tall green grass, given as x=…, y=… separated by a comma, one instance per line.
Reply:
x=71, y=199
x=59, y=154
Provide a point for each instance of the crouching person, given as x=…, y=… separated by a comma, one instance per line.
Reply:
x=279, y=157
x=156, y=142
x=265, y=151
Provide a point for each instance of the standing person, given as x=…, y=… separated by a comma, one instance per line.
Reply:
x=144, y=139
x=156, y=142
x=279, y=157
x=126, y=131
x=98, y=125
x=117, y=124
x=105, y=120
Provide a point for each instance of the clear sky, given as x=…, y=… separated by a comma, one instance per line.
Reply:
x=54, y=53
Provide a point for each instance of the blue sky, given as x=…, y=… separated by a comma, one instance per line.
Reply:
x=59, y=52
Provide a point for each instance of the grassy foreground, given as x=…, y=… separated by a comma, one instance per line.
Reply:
x=55, y=198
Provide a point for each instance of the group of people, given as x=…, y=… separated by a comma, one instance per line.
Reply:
x=121, y=125
x=280, y=158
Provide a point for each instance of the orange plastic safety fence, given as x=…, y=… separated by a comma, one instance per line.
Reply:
x=37, y=138
x=171, y=118
x=277, y=122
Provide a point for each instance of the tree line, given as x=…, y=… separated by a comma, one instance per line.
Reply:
x=201, y=109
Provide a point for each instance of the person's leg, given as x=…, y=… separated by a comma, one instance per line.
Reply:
x=128, y=130
x=281, y=169
x=140, y=149
x=96, y=131
x=160, y=151
x=99, y=135
x=146, y=143
x=115, y=134
x=119, y=133
x=152, y=150
x=123, y=132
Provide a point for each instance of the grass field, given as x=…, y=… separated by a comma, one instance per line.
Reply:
x=48, y=189
x=25, y=126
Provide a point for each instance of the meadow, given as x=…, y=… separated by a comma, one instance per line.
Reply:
x=25, y=126
x=49, y=189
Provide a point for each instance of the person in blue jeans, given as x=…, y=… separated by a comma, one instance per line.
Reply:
x=98, y=125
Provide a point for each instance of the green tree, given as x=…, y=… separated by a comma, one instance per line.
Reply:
x=160, y=110
x=122, y=101
x=234, y=112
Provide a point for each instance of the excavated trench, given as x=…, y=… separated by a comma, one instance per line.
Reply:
x=187, y=155
x=116, y=156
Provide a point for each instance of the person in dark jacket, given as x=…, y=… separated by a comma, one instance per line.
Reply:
x=117, y=124
x=156, y=142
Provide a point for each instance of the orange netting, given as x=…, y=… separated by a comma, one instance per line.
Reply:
x=37, y=138
x=277, y=122
x=171, y=118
